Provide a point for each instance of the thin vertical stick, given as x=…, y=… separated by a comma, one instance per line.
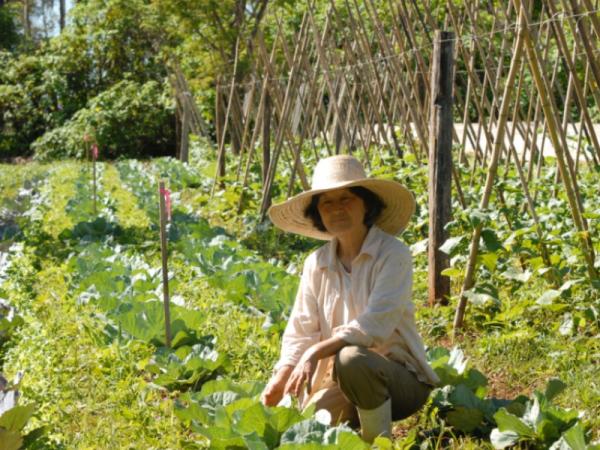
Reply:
x=94, y=181
x=221, y=152
x=165, y=267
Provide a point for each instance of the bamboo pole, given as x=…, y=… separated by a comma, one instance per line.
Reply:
x=221, y=152
x=551, y=114
x=492, y=170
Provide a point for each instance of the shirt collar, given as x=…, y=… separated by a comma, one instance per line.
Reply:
x=370, y=246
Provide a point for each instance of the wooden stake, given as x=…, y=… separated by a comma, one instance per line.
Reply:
x=440, y=163
x=165, y=268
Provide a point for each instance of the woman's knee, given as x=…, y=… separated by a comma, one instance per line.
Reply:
x=358, y=376
x=349, y=360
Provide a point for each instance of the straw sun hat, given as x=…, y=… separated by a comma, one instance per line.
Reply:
x=338, y=172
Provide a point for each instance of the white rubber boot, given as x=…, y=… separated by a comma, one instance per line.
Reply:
x=376, y=422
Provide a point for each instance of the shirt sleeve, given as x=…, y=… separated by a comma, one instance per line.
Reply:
x=303, y=329
x=389, y=300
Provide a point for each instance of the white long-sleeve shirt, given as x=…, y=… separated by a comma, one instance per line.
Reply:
x=371, y=306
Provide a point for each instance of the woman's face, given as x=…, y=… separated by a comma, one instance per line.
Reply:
x=341, y=211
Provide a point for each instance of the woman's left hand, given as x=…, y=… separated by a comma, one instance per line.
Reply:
x=304, y=371
x=302, y=374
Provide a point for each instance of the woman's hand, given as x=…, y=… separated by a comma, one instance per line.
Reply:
x=290, y=379
x=303, y=373
x=274, y=390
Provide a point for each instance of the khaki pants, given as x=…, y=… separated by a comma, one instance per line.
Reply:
x=365, y=379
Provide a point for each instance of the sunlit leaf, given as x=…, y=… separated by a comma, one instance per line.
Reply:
x=511, y=423
x=450, y=244
x=548, y=297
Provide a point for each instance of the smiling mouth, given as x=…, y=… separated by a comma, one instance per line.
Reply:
x=339, y=219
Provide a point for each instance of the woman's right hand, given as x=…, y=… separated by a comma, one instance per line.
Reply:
x=273, y=392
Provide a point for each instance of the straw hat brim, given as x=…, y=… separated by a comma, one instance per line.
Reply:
x=399, y=207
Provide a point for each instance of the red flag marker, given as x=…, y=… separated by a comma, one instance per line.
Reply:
x=167, y=194
x=95, y=151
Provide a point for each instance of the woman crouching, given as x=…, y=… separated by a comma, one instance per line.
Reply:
x=351, y=345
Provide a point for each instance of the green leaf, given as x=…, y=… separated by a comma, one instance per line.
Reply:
x=222, y=438
x=575, y=437
x=553, y=388
x=463, y=396
x=515, y=274
x=351, y=441
x=383, y=443
x=547, y=430
x=567, y=325
x=548, y=297
x=282, y=418
x=503, y=439
x=563, y=417
x=191, y=412
x=419, y=247
x=515, y=234
x=478, y=216
x=475, y=379
x=450, y=244
x=10, y=440
x=452, y=272
x=490, y=240
x=465, y=419
x=307, y=431
x=254, y=442
x=490, y=260
x=569, y=284
x=16, y=418
x=438, y=355
x=252, y=419
x=457, y=360
x=248, y=389
x=508, y=422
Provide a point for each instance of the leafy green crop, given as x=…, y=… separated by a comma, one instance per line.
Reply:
x=539, y=423
x=102, y=273
x=14, y=417
x=230, y=415
x=461, y=402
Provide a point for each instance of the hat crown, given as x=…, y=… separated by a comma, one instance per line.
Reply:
x=337, y=170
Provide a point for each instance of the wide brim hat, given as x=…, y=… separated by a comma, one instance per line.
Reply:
x=338, y=172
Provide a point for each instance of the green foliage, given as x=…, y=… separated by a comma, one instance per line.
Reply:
x=539, y=423
x=105, y=62
x=229, y=414
x=187, y=366
x=9, y=37
x=127, y=119
x=95, y=280
x=14, y=417
x=113, y=40
x=30, y=90
x=461, y=399
x=10, y=321
x=461, y=403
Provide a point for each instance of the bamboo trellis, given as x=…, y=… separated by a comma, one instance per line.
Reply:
x=357, y=80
